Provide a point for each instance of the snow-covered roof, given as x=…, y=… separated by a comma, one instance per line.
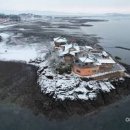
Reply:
x=86, y=60
x=107, y=61
x=68, y=50
x=104, y=53
x=60, y=39
x=72, y=53
x=88, y=47
x=74, y=45
x=62, y=53
x=97, y=63
x=67, y=46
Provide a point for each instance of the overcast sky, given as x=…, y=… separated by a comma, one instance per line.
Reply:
x=74, y=6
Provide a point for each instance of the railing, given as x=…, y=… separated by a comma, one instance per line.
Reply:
x=83, y=65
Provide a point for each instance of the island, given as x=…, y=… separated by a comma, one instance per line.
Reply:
x=73, y=72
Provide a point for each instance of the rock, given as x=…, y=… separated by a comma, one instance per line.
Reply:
x=0, y=38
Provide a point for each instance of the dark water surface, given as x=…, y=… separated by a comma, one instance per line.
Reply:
x=115, y=32
x=108, y=118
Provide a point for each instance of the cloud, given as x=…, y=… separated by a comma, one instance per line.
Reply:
x=86, y=6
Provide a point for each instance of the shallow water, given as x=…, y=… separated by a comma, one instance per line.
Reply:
x=115, y=32
x=109, y=118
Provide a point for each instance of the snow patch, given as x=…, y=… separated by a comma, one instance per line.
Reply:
x=63, y=87
x=23, y=53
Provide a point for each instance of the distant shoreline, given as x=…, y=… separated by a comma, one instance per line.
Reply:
x=124, y=48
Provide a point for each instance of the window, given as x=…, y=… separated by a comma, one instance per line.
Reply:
x=78, y=71
x=94, y=71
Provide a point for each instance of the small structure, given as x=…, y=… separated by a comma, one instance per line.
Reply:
x=88, y=48
x=69, y=58
x=69, y=52
x=85, y=66
x=59, y=41
x=105, y=61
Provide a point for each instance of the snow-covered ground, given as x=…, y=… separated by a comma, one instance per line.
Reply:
x=25, y=53
x=60, y=87
x=5, y=26
x=71, y=87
